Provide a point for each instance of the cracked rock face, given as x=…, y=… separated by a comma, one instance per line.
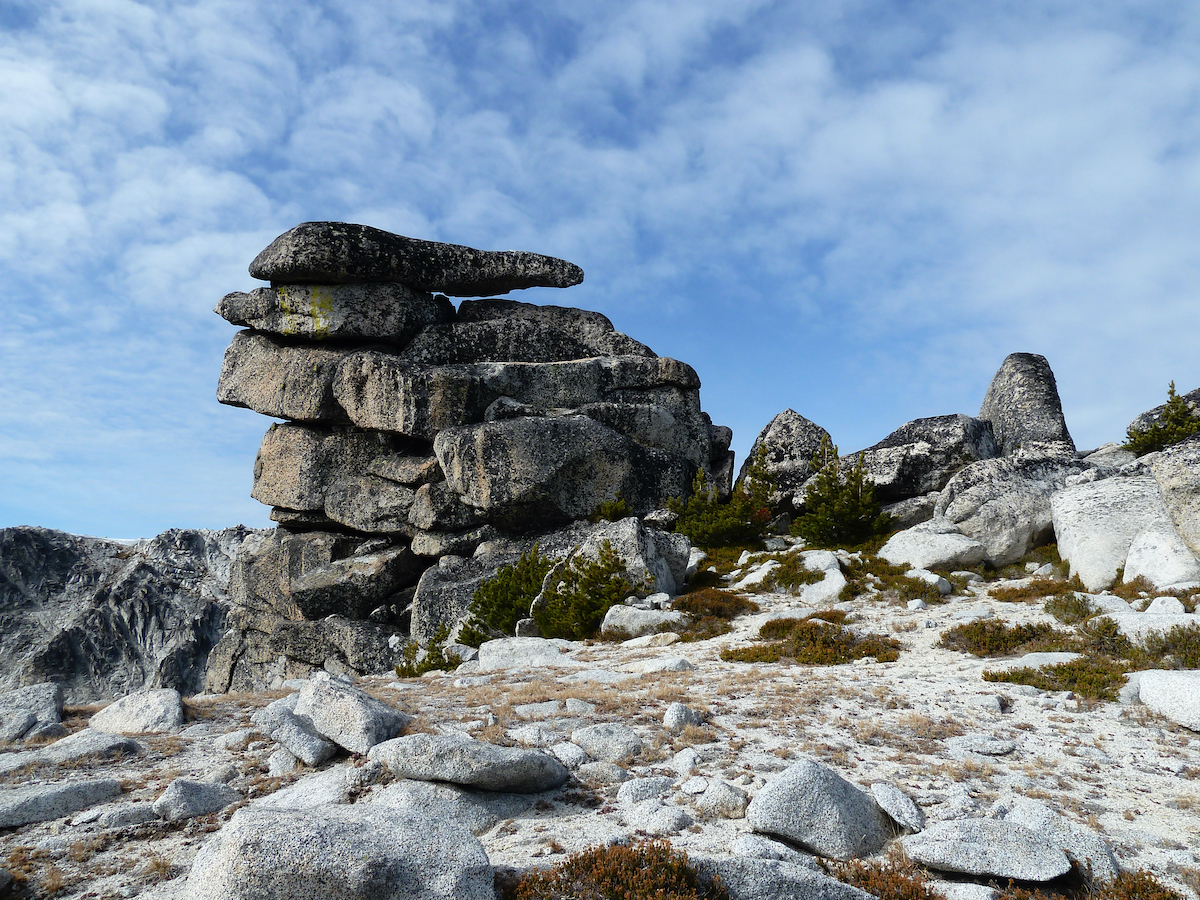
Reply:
x=1023, y=405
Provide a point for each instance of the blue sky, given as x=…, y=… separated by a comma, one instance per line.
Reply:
x=852, y=209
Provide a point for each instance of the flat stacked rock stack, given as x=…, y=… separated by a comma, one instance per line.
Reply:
x=414, y=431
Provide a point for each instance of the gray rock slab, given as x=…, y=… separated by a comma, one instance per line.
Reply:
x=601, y=772
x=570, y=755
x=1083, y=847
x=349, y=717
x=1173, y=694
x=126, y=815
x=1162, y=558
x=813, y=806
x=637, y=790
x=988, y=848
x=608, y=742
x=463, y=760
x=357, y=852
x=963, y=746
x=897, y=804
x=335, y=785
x=43, y=802
x=345, y=253
x=1136, y=626
x=1177, y=471
x=790, y=441
x=295, y=733
x=936, y=544
x=722, y=800
x=759, y=846
x=677, y=717
x=752, y=878
x=185, y=799
x=527, y=653
x=656, y=818
x=1096, y=523
x=141, y=712
x=29, y=706
x=635, y=622
x=80, y=745
x=380, y=311
x=477, y=811
x=279, y=379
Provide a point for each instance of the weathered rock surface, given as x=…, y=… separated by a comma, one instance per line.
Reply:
x=31, y=711
x=185, y=799
x=1176, y=470
x=349, y=717
x=1162, y=558
x=294, y=733
x=1023, y=405
x=1173, y=694
x=41, y=802
x=143, y=711
x=344, y=253
x=281, y=377
x=923, y=455
x=105, y=618
x=1004, y=504
x=936, y=544
x=358, y=852
x=82, y=745
x=811, y=805
x=1096, y=523
x=790, y=441
x=748, y=878
x=989, y=848
x=380, y=311
x=1083, y=847
x=476, y=811
x=608, y=742
x=461, y=760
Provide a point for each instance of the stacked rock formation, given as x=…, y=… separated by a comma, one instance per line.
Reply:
x=414, y=430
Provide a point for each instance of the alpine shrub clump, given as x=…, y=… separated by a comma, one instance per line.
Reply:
x=1178, y=422
x=500, y=602
x=709, y=521
x=814, y=641
x=413, y=665
x=574, y=606
x=652, y=870
x=840, y=508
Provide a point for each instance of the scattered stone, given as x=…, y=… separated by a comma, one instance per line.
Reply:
x=722, y=800
x=760, y=847
x=1084, y=848
x=282, y=762
x=964, y=746
x=608, y=742
x=988, y=848
x=26, y=710
x=348, y=716
x=570, y=755
x=463, y=760
x=893, y=801
x=677, y=717
x=630, y=620
x=601, y=772
x=332, y=786
x=526, y=653
x=126, y=815
x=813, y=806
x=752, y=878
x=78, y=746
x=356, y=852
x=42, y=802
x=145, y=711
x=295, y=733
x=662, y=664
x=936, y=544
x=184, y=799
x=638, y=790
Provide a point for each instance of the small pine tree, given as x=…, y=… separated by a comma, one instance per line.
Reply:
x=501, y=601
x=575, y=606
x=710, y=522
x=1178, y=422
x=839, y=507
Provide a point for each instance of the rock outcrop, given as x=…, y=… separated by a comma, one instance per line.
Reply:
x=416, y=432
x=104, y=618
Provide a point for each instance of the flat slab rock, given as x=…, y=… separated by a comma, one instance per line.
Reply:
x=1173, y=694
x=989, y=848
x=42, y=802
x=466, y=761
x=343, y=253
x=140, y=712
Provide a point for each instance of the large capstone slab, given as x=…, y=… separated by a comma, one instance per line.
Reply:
x=343, y=253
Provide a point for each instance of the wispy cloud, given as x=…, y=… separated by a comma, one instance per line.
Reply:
x=855, y=209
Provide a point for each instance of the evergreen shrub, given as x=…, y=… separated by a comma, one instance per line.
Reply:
x=503, y=600
x=840, y=508
x=574, y=606
x=709, y=521
x=1178, y=422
